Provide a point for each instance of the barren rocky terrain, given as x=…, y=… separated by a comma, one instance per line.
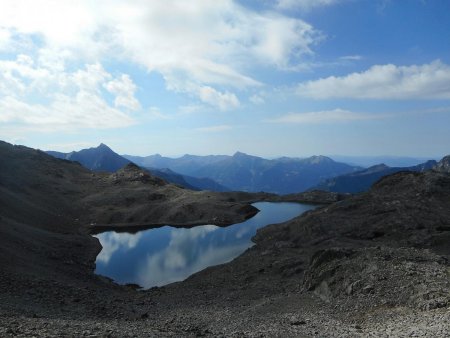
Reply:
x=370, y=265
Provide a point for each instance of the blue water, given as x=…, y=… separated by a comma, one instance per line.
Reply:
x=160, y=256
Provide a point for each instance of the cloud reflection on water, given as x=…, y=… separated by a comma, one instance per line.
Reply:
x=112, y=241
x=160, y=256
x=184, y=256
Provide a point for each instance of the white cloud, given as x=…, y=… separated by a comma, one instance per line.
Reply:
x=306, y=4
x=18, y=76
x=89, y=78
x=224, y=101
x=34, y=96
x=257, y=99
x=193, y=44
x=60, y=23
x=428, y=81
x=436, y=110
x=84, y=110
x=154, y=113
x=124, y=89
x=327, y=116
x=214, y=129
x=341, y=115
x=191, y=109
x=68, y=147
x=5, y=38
x=351, y=57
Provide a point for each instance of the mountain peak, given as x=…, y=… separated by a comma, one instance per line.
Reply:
x=316, y=159
x=132, y=172
x=443, y=165
x=103, y=146
x=131, y=167
x=240, y=156
x=239, y=153
x=188, y=157
x=100, y=158
x=377, y=167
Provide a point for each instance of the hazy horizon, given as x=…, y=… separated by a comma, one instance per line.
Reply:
x=285, y=78
x=363, y=160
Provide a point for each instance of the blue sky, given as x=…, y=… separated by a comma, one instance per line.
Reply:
x=270, y=78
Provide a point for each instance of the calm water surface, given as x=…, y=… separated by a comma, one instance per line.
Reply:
x=160, y=256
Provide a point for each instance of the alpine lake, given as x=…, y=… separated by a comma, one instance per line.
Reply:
x=163, y=255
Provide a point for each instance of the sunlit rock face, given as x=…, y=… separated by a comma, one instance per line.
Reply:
x=443, y=165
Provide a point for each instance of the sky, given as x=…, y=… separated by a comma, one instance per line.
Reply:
x=269, y=78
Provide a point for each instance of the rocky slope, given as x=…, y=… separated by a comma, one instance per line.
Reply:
x=376, y=264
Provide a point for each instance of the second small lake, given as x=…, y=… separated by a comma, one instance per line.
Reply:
x=160, y=256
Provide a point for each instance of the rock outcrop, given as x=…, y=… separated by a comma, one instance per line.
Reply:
x=443, y=165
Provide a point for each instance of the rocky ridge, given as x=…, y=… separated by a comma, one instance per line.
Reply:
x=443, y=165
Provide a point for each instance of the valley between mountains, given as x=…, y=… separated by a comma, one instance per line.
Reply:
x=370, y=264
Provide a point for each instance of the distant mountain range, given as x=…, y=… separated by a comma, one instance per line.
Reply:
x=103, y=158
x=240, y=172
x=186, y=165
x=251, y=173
x=190, y=182
x=362, y=180
x=243, y=172
x=391, y=161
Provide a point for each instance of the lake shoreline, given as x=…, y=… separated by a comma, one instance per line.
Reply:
x=159, y=256
x=315, y=198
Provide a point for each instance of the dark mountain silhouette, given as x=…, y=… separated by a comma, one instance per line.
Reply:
x=103, y=158
x=362, y=180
